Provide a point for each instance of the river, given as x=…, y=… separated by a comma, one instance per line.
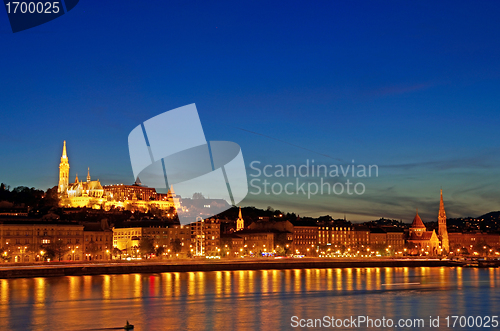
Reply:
x=247, y=300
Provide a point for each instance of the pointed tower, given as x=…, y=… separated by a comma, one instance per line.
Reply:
x=76, y=178
x=171, y=192
x=88, y=174
x=173, y=198
x=240, y=223
x=442, y=230
x=63, y=172
x=417, y=226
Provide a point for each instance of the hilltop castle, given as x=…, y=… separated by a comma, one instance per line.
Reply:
x=92, y=194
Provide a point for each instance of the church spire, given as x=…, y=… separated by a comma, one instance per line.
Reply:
x=171, y=191
x=64, y=155
x=63, y=172
x=442, y=228
x=442, y=213
x=240, y=223
x=88, y=174
x=76, y=178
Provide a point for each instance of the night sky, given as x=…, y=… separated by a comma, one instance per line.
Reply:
x=412, y=87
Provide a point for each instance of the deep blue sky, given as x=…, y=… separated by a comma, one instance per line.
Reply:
x=410, y=87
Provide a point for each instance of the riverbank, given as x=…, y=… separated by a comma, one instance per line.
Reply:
x=84, y=269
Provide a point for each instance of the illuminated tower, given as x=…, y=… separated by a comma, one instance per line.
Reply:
x=63, y=172
x=442, y=230
x=417, y=227
x=240, y=223
x=88, y=175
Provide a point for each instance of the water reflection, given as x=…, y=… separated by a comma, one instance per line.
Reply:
x=244, y=300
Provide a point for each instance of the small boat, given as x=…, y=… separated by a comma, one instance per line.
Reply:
x=128, y=326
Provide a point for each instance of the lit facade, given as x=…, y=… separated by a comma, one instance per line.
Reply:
x=98, y=245
x=175, y=240
x=92, y=194
x=29, y=242
x=205, y=237
x=421, y=241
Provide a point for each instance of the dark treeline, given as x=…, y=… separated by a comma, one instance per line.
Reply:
x=35, y=200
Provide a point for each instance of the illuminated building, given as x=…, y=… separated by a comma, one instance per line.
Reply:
x=361, y=235
x=258, y=242
x=120, y=192
x=92, y=194
x=240, y=223
x=88, y=189
x=63, y=172
x=305, y=237
x=420, y=240
x=205, y=237
x=442, y=230
x=127, y=239
x=478, y=240
x=378, y=238
x=234, y=244
x=175, y=240
x=336, y=233
x=28, y=241
x=98, y=241
x=395, y=238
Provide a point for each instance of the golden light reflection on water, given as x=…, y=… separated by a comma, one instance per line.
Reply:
x=459, y=276
x=243, y=300
x=106, y=287
x=378, y=279
x=167, y=279
x=349, y=279
x=87, y=287
x=74, y=291
x=4, y=302
x=137, y=285
x=358, y=279
x=329, y=275
x=296, y=280
x=4, y=292
x=492, y=276
x=276, y=284
x=369, y=284
x=308, y=278
x=339, y=279
x=192, y=284
x=288, y=285
x=177, y=284
x=40, y=288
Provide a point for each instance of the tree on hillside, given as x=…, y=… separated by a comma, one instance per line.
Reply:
x=176, y=245
x=91, y=248
x=146, y=246
x=198, y=195
x=59, y=249
x=116, y=252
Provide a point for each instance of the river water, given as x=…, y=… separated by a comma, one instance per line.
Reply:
x=247, y=300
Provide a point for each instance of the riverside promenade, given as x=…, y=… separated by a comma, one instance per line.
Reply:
x=58, y=269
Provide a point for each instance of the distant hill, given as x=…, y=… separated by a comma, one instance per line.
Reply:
x=492, y=215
